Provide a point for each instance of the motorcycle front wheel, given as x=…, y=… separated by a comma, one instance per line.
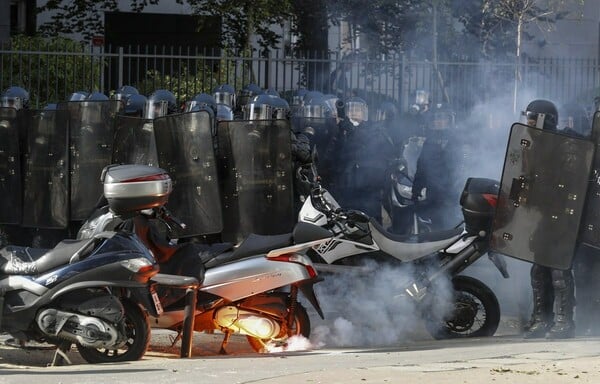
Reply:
x=137, y=327
x=300, y=327
x=475, y=312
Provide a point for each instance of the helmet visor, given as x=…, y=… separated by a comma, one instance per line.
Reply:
x=224, y=98
x=357, y=111
x=156, y=109
x=254, y=111
x=224, y=112
x=11, y=102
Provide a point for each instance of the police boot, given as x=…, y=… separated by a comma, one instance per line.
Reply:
x=564, y=326
x=541, y=317
x=543, y=301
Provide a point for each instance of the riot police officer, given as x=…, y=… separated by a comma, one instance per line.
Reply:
x=552, y=288
x=362, y=153
x=435, y=171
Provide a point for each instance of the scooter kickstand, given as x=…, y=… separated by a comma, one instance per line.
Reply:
x=224, y=343
x=175, y=339
x=60, y=355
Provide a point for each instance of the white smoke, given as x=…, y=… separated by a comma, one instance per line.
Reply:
x=373, y=309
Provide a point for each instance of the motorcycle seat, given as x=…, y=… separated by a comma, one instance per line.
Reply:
x=253, y=245
x=410, y=247
x=16, y=260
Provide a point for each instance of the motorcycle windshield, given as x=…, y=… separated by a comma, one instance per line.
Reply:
x=91, y=130
x=590, y=224
x=134, y=141
x=10, y=166
x=542, y=194
x=185, y=150
x=255, y=167
x=46, y=169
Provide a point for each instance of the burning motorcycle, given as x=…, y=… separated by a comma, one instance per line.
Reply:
x=251, y=289
x=433, y=255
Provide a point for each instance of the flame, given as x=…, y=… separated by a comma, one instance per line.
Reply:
x=294, y=343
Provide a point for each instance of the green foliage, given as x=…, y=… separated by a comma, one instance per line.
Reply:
x=48, y=77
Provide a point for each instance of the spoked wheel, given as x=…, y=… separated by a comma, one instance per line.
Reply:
x=137, y=327
x=475, y=313
x=300, y=326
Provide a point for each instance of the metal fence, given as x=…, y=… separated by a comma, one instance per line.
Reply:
x=52, y=76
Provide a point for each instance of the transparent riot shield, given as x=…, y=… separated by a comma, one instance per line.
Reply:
x=134, y=141
x=185, y=150
x=10, y=166
x=542, y=195
x=590, y=224
x=46, y=169
x=91, y=127
x=255, y=170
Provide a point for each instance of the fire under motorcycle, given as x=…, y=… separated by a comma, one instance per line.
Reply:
x=432, y=255
x=94, y=293
x=251, y=289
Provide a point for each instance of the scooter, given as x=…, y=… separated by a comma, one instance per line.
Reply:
x=358, y=238
x=251, y=289
x=95, y=293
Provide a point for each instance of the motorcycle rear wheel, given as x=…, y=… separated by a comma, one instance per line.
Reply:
x=137, y=326
x=476, y=312
x=300, y=327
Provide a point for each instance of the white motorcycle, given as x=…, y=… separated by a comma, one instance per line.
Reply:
x=358, y=238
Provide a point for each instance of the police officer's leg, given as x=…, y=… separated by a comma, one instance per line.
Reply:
x=564, y=291
x=543, y=301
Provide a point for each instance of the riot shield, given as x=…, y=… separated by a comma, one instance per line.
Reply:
x=10, y=166
x=542, y=194
x=590, y=224
x=46, y=169
x=185, y=150
x=255, y=170
x=91, y=126
x=134, y=141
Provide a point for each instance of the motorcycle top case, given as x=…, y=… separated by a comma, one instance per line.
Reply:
x=590, y=225
x=478, y=204
x=134, y=187
x=542, y=196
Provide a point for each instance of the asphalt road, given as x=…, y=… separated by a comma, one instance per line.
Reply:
x=499, y=359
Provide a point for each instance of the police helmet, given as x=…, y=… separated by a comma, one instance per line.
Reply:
x=356, y=110
x=97, y=96
x=78, y=96
x=160, y=103
x=542, y=113
x=259, y=108
x=225, y=94
x=15, y=97
x=135, y=104
x=248, y=92
x=202, y=101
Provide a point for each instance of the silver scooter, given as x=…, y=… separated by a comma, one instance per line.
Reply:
x=250, y=289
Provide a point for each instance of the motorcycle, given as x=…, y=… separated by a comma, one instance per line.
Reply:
x=251, y=289
x=358, y=238
x=94, y=293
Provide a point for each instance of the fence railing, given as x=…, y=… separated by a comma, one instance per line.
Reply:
x=52, y=76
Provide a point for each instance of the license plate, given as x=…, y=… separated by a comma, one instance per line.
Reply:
x=156, y=300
